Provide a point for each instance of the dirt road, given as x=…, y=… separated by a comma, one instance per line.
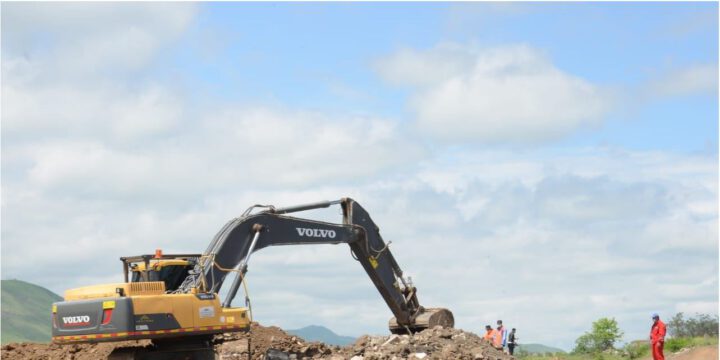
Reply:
x=709, y=352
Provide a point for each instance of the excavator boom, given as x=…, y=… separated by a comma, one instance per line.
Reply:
x=239, y=238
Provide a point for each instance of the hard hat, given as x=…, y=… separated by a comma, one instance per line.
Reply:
x=655, y=315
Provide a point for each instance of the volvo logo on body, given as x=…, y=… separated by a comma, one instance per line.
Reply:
x=321, y=233
x=76, y=320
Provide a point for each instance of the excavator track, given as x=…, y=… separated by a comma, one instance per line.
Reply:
x=186, y=348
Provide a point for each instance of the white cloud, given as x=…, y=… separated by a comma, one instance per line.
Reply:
x=506, y=94
x=251, y=146
x=66, y=164
x=112, y=113
x=72, y=39
x=300, y=147
x=701, y=78
x=697, y=307
x=73, y=69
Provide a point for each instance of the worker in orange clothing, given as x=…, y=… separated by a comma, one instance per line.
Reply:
x=491, y=335
x=498, y=340
x=657, y=337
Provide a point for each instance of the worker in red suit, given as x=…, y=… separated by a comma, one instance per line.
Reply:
x=657, y=338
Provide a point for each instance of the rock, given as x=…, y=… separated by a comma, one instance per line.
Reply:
x=391, y=340
x=448, y=351
x=421, y=355
x=356, y=358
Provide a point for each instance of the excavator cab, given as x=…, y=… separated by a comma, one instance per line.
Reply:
x=170, y=269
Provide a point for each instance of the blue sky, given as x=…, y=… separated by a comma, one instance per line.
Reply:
x=256, y=53
x=544, y=163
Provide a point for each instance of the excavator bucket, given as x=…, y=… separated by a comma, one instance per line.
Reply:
x=427, y=319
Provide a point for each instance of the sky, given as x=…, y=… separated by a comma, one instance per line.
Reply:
x=547, y=164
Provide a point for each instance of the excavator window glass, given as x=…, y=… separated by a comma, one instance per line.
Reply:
x=172, y=275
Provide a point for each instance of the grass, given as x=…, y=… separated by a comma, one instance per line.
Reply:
x=631, y=351
x=565, y=356
x=674, y=345
x=26, y=312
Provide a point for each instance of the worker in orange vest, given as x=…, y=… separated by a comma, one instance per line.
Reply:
x=498, y=340
x=488, y=333
x=657, y=337
x=491, y=335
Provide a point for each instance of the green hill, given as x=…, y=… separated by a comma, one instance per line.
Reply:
x=322, y=334
x=537, y=349
x=26, y=313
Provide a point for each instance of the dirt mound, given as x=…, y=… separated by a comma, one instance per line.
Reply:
x=34, y=351
x=235, y=345
x=437, y=343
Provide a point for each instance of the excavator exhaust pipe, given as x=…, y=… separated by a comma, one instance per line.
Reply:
x=427, y=319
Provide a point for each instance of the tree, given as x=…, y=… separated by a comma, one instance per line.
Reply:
x=605, y=333
x=584, y=344
x=676, y=326
x=700, y=325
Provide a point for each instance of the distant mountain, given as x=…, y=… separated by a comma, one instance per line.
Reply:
x=26, y=312
x=537, y=349
x=322, y=334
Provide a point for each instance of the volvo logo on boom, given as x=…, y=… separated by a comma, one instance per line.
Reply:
x=316, y=233
x=76, y=320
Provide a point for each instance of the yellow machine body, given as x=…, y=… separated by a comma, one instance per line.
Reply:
x=140, y=310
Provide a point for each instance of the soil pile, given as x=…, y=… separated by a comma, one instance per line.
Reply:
x=34, y=351
x=272, y=343
x=235, y=345
x=437, y=343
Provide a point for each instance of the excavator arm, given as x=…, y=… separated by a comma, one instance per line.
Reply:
x=232, y=247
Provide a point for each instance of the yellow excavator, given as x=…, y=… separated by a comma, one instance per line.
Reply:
x=173, y=299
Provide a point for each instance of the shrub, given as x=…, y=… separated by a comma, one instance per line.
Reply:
x=604, y=334
x=675, y=344
x=637, y=349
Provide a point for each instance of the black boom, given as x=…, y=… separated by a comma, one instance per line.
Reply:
x=239, y=238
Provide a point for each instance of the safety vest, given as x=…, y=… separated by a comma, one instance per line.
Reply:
x=491, y=335
x=494, y=337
